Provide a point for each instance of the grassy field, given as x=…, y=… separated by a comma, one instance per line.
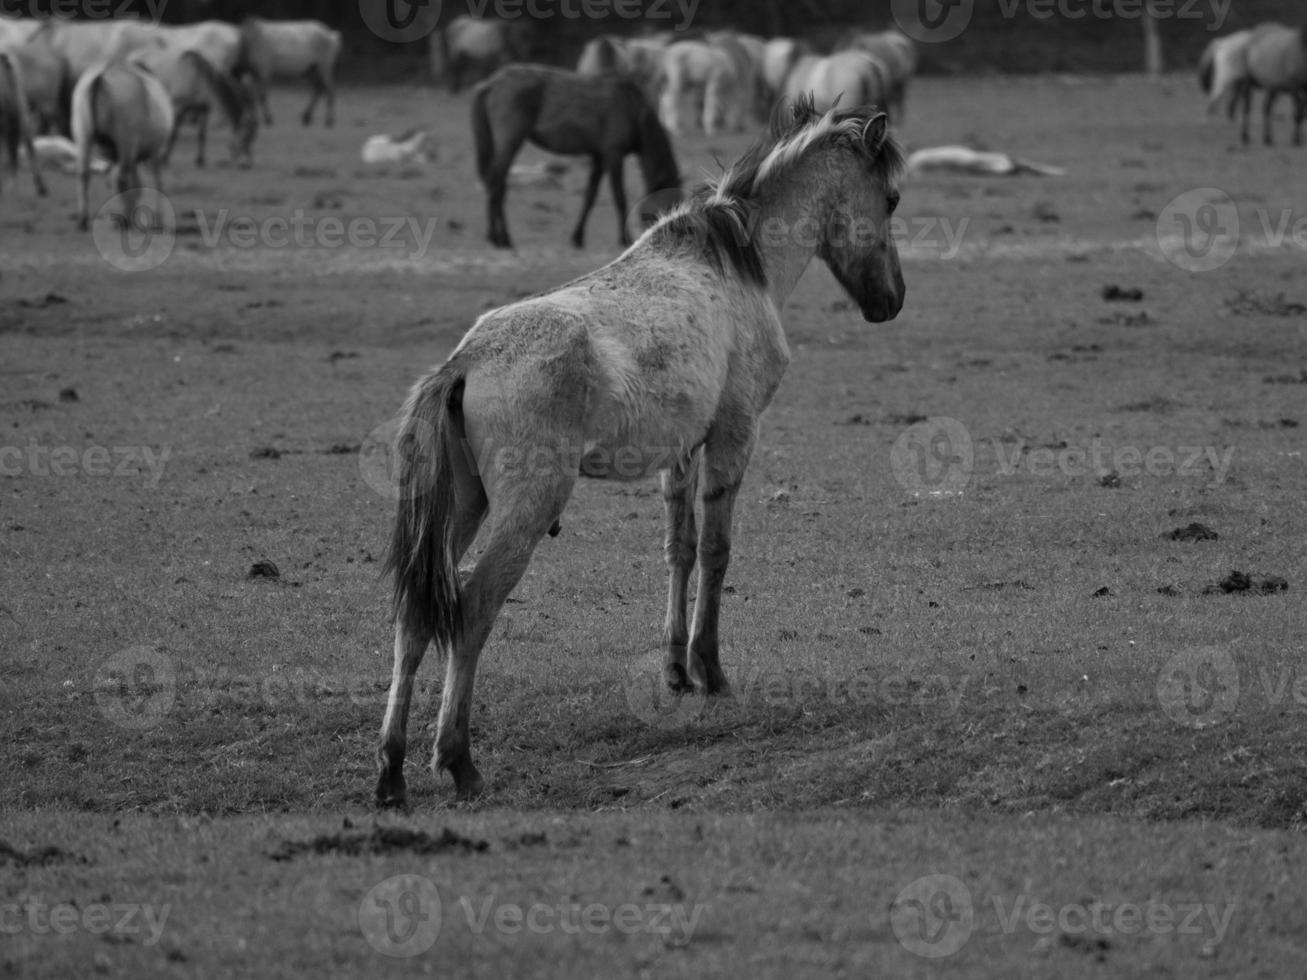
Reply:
x=990, y=719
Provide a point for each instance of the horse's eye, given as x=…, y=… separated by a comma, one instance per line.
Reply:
x=893, y=201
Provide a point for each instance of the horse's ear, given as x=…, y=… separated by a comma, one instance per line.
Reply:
x=875, y=132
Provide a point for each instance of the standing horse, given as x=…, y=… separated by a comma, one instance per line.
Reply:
x=17, y=30
x=1220, y=70
x=125, y=112
x=469, y=49
x=195, y=86
x=85, y=44
x=221, y=44
x=896, y=52
x=15, y=123
x=605, y=118
x=1275, y=59
x=48, y=82
x=668, y=355
x=850, y=77
x=640, y=59
x=703, y=72
x=291, y=49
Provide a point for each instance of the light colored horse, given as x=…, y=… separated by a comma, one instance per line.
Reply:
x=1220, y=70
x=1275, y=59
x=195, y=86
x=47, y=80
x=15, y=123
x=470, y=49
x=220, y=43
x=779, y=57
x=409, y=148
x=124, y=111
x=17, y=30
x=661, y=361
x=640, y=59
x=846, y=78
x=896, y=52
x=701, y=71
x=747, y=52
x=291, y=49
x=84, y=44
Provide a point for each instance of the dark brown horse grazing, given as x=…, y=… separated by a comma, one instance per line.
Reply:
x=606, y=118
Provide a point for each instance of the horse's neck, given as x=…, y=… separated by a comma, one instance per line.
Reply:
x=789, y=223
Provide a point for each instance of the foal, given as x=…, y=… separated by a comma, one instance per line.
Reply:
x=668, y=355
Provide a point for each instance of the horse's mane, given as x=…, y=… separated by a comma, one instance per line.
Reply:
x=719, y=216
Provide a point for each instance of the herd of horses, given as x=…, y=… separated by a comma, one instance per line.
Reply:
x=628, y=96
x=1271, y=57
x=123, y=89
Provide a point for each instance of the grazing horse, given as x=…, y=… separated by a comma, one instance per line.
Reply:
x=747, y=52
x=703, y=71
x=1275, y=59
x=663, y=360
x=469, y=49
x=779, y=57
x=605, y=117
x=17, y=30
x=221, y=44
x=195, y=87
x=85, y=44
x=48, y=82
x=125, y=112
x=15, y=123
x=291, y=49
x=898, y=54
x=1220, y=70
x=849, y=77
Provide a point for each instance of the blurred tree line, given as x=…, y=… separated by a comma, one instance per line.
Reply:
x=1003, y=35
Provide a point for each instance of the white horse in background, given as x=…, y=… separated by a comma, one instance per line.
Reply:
x=84, y=44
x=697, y=71
x=17, y=30
x=1220, y=70
x=779, y=57
x=849, y=78
x=896, y=52
x=291, y=49
x=407, y=148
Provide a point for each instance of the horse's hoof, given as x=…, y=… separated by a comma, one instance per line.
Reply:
x=678, y=681
x=468, y=783
x=390, y=794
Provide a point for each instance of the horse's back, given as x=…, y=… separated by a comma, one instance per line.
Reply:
x=123, y=106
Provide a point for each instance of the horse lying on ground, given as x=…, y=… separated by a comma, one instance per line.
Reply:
x=661, y=361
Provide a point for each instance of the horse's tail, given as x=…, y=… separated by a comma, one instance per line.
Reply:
x=482, y=132
x=427, y=596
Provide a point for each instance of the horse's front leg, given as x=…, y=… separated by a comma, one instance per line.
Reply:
x=725, y=457
x=202, y=121
x=34, y=162
x=588, y=201
x=679, y=485
x=619, y=199
x=1267, y=108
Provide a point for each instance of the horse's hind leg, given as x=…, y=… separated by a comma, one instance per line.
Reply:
x=679, y=485
x=1267, y=108
x=411, y=646
x=201, y=137
x=588, y=202
x=520, y=521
